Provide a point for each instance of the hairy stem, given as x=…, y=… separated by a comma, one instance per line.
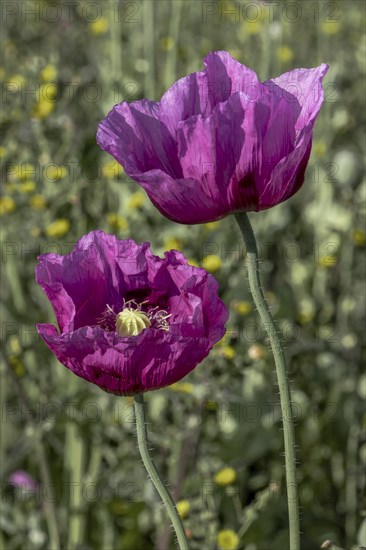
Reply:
x=142, y=441
x=283, y=383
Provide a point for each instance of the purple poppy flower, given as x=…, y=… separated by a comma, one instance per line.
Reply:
x=23, y=480
x=129, y=321
x=219, y=141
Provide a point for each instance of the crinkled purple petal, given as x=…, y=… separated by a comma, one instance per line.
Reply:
x=219, y=141
x=100, y=273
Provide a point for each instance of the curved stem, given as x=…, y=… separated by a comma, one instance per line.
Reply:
x=142, y=441
x=283, y=383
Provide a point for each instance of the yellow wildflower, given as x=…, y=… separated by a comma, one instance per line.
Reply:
x=228, y=352
x=211, y=226
x=330, y=27
x=242, y=307
x=7, y=205
x=17, y=79
x=27, y=187
x=327, y=261
x=111, y=169
x=55, y=172
x=58, y=228
x=48, y=73
x=184, y=387
x=117, y=222
x=183, y=508
x=136, y=200
x=46, y=100
x=167, y=43
x=320, y=147
x=227, y=540
x=38, y=202
x=285, y=54
x=212, y=263
x=99, y=27
x=43, y=109
x=3, y=152
x=48, y=91
x=252, y=27
x=359, y=237
x=173, y=243
x=226, y=476
x=17, y=365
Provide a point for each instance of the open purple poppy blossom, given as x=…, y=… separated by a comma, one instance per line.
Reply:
x=129, y=321
x=219, y=141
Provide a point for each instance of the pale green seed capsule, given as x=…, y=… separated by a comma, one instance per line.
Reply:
x=131, y=322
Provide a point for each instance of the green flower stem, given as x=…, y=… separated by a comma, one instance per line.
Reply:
x=142, y=441
x=283, y=383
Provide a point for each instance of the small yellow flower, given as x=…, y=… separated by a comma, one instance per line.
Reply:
x=48, y=73
x=17, y=366
x=252, y=27
x=99, y=27
x=327, y=261
x=242, y=307
x=14, y=344
x=320, y=147
x=38, y=202
x=212, y=263
x=228, y=352
x=305, y=317
x=17, y=79
x=27, y=187
x=55, y=172
x=136, y=200
x=330, y=27
x=226, y=476
x=285, y=54
x=117, y=222
x=48, y=91
x=167, y=43
x=193, y=262
x=227, y=540
x=58, y=228
x=183, y=508
x=3, y=152
x=43, y=109
x=111, y=169
x=184, y=387
x=173, y=243
x=46, y=100
x=359, y=237
x=7, y=205
x=211, y=226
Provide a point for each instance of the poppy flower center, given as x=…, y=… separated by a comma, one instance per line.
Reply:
x=132, y=320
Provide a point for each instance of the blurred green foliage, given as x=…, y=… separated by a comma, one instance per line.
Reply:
x=65, y=64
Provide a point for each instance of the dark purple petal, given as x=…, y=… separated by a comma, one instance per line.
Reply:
x=152, y=360
x=181, y=200
x=99, y=271
x=138, y=140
